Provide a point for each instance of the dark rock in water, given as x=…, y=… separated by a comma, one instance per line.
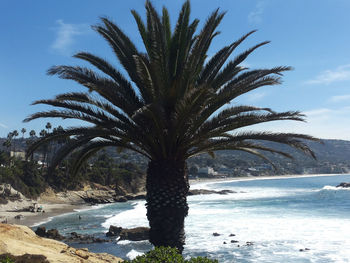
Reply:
x=344, y=185
x=41, y=231
x=232, y=235
x=206, y=192
x=135, y=234
x=54, y=234
x=26, y=258
x=74, y=236
x=85, y=239
x=234, y=241
x=121, y=199
x=224, y=243
x=19, y=217
x=113, y=231
x=249, y=243
x=216, y=234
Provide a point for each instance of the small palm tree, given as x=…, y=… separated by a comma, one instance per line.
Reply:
x=173, y=105
x=14, y=135
x=32, y=134
x=23, y=131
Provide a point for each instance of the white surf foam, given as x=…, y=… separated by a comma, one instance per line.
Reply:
x=135, y=217
x=133, y=254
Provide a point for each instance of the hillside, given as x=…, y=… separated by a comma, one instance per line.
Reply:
x=333, y=156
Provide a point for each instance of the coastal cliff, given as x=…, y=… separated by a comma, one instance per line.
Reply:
x=18, y=240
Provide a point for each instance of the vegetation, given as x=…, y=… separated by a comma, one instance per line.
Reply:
x=30, y=179
x=168, y=255
x=175, y=106
x=6, y=260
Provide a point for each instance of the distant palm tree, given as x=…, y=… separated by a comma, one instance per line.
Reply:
x=23, y=131
x=14, y=135
x=173, y=105
x=48, y=127
x=32, y=133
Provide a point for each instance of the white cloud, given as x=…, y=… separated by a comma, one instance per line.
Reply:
x=324, y=123
x=255, y=16
x=256, y=96
x=3, y=125
x=340, y=98
x=65, y=36
x=341, y=73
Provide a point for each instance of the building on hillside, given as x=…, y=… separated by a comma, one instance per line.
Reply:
x=207, y=171
x=20, y=154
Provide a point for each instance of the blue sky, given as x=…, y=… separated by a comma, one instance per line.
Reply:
x=311, y=36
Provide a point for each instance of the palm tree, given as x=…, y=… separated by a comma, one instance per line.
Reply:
x=14, y=135
x=32, y=134
x=23, y=131
x=173, y=105
x=48, y=127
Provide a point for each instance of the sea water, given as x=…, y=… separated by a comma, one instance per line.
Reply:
x=303, y=219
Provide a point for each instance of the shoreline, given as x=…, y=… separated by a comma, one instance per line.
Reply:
x=250, y=178
x=32, y=219
x=53, y=209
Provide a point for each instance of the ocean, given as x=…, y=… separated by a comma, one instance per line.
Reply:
x=289, y=220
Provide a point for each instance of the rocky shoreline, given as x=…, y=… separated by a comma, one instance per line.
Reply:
x=22, y=244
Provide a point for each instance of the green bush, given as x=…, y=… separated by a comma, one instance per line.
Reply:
x=168, y=255
x=6, y=260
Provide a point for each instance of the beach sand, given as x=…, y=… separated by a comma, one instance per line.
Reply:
x=8, y=212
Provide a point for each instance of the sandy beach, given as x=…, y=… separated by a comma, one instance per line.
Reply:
x=8, y=212
x=52, y=208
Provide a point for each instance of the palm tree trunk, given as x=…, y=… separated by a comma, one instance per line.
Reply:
x=167, y=187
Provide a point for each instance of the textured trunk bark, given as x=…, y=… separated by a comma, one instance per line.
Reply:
x=167, y=187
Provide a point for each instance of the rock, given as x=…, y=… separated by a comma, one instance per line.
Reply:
x=206, y=192
x=135, y=234
x=81, y=253
x=21, y=241
x=234, y=241
x=41, y=231
x=113, y=231
x=139, y=196
x=216, y=234
x=249, y=243
x=121, y=199
x=344, y=185
x=26, y=258
x=54, y=234
x=85, y=239
x=19, y=217
x=232, y=235
x=224, y=243
x=8, y=193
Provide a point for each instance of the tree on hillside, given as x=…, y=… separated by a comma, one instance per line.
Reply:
x=14, y=135
x=174, y=104
x=23, y=131
x=32, y=135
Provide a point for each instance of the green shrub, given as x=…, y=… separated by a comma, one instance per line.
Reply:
x=168, y=255
x=6, y=260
